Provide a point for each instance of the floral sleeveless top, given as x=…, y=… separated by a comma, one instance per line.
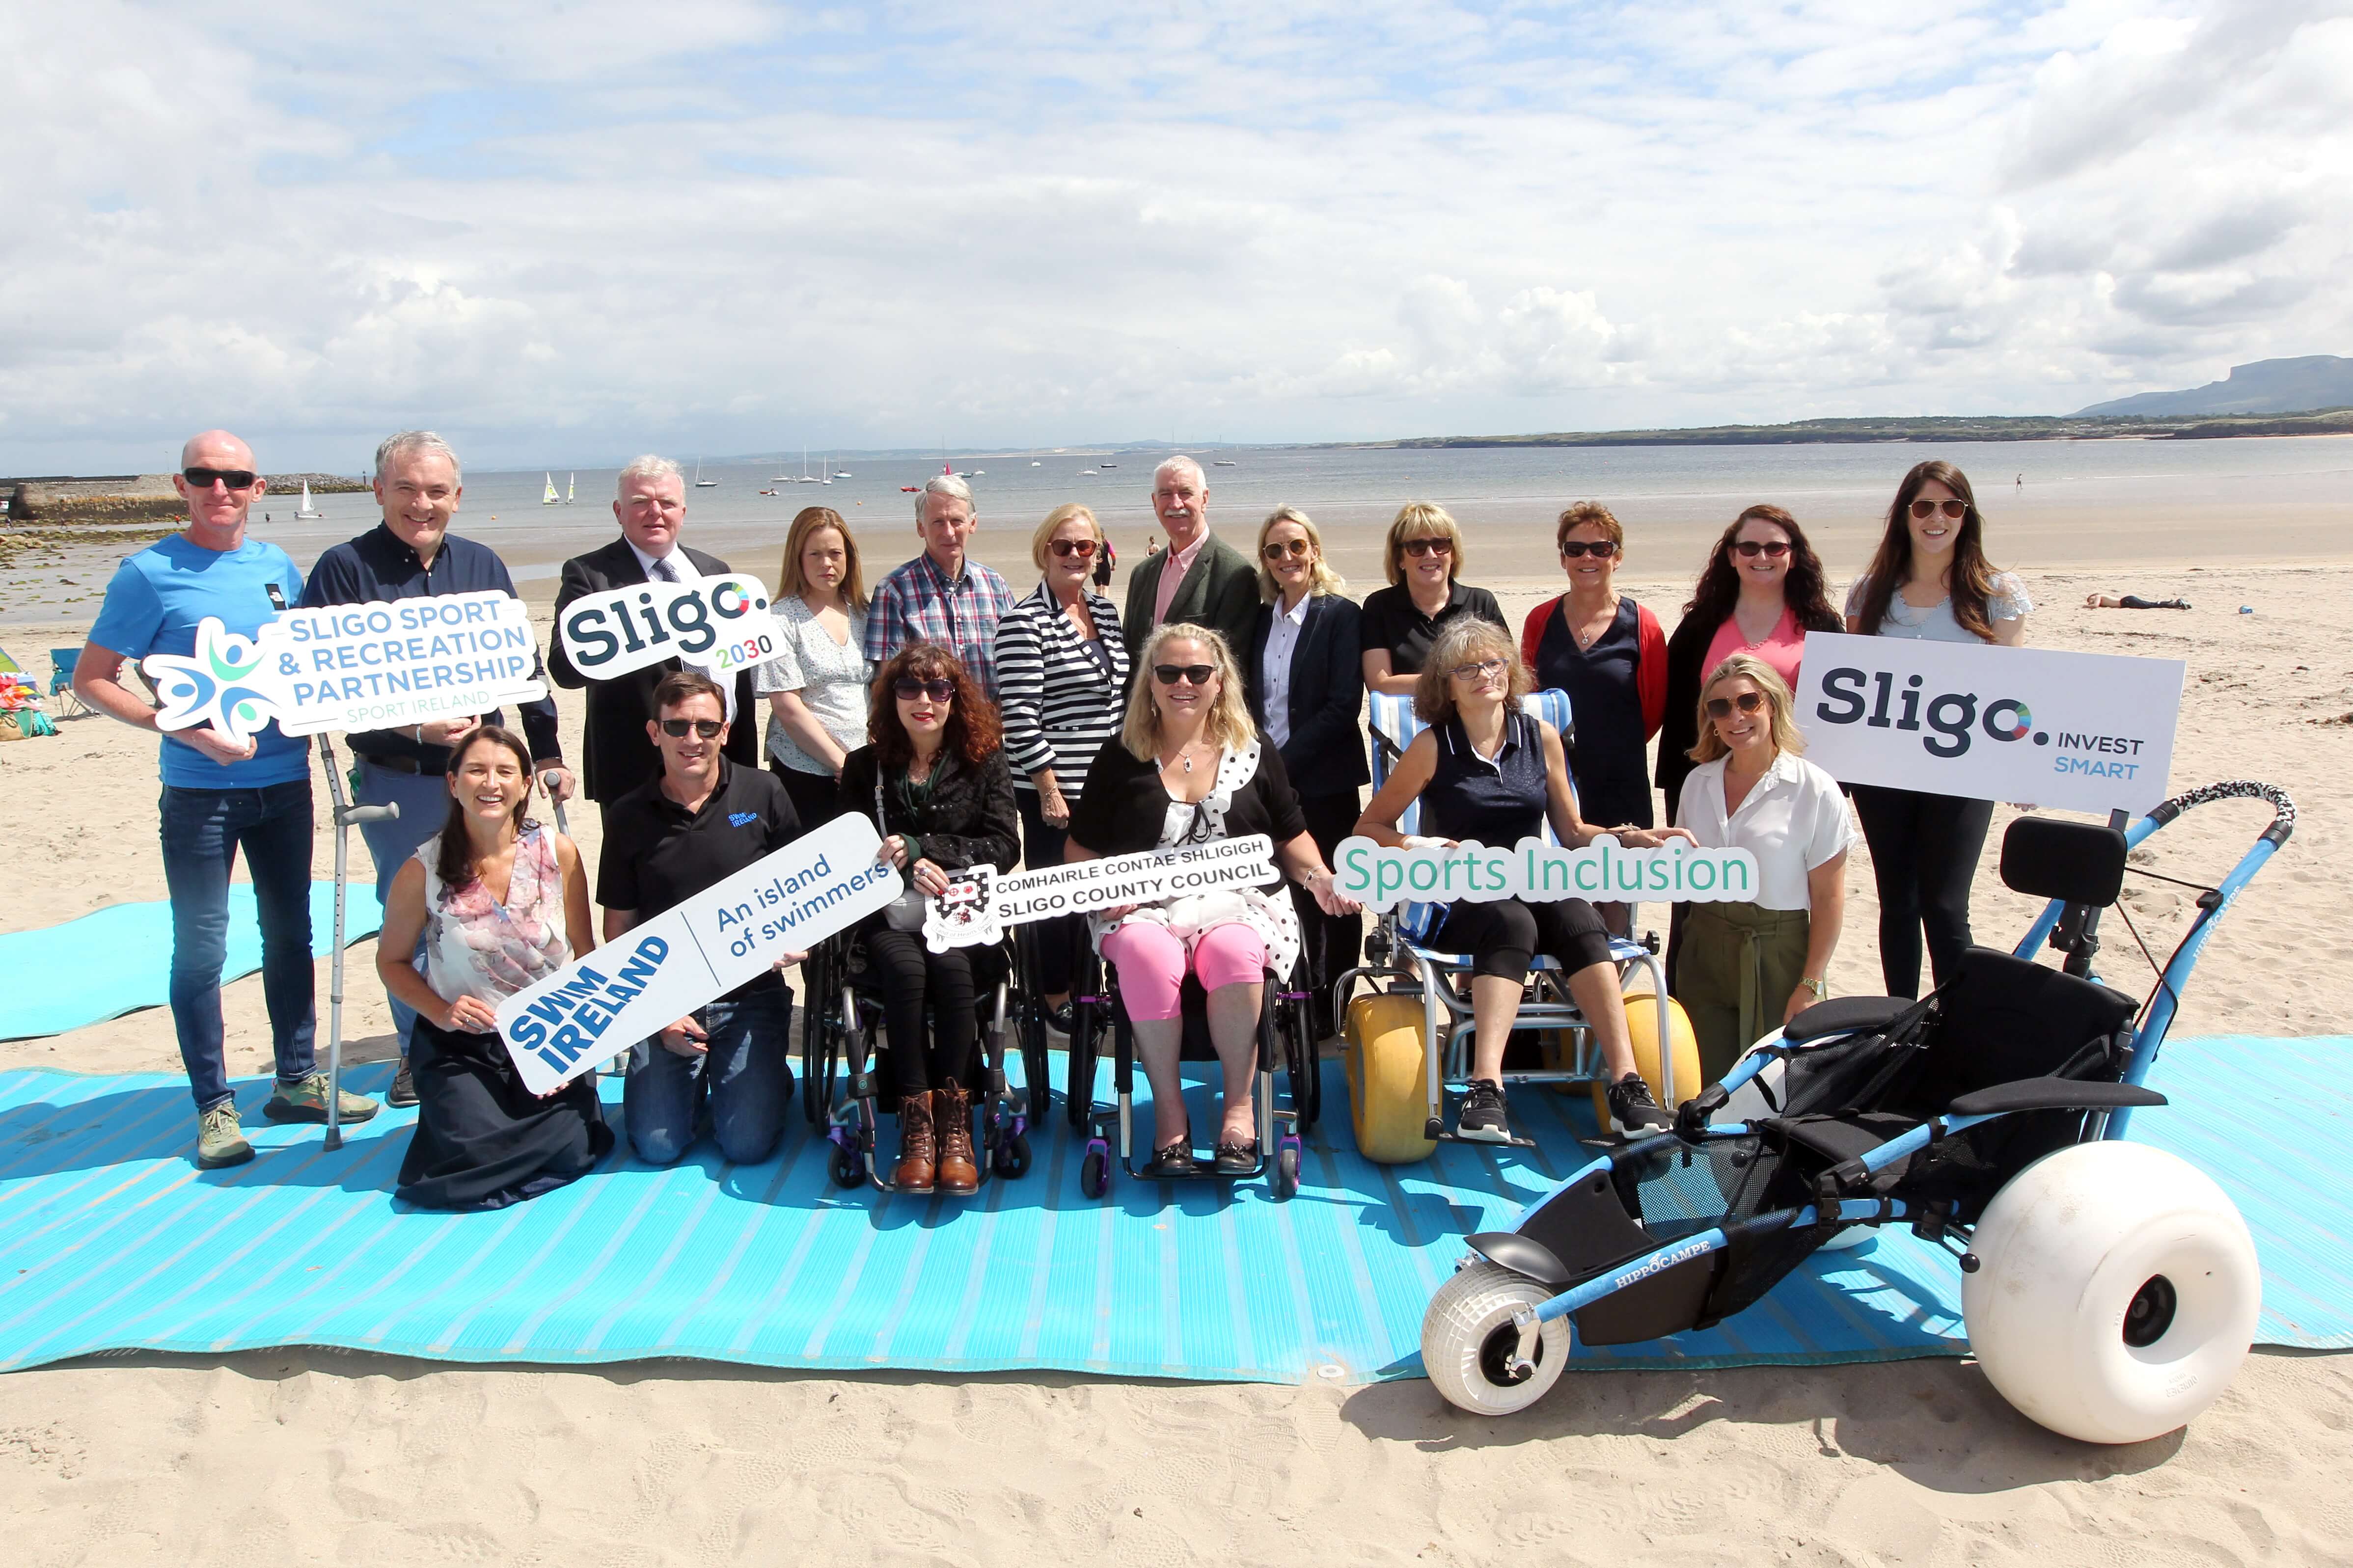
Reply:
x=476, y=946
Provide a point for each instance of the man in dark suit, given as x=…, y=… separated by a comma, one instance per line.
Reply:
x=616, y=755
x=1198, y=577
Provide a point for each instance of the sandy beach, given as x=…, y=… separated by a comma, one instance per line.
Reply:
x=302, y=1455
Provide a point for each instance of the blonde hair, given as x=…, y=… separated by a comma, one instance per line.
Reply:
x=1766, y=679
x=1423, y=519
x=1466, y=639
x=1054, y=520
x=1321, y=578
x=807, y=520
x=1228, y=721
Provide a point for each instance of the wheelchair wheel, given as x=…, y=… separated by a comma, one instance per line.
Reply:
x=1011, y=1157
x=1301, y=1064
x=1389, y=1087
x=1078, y=1089
x=848, y=1166
x=1094, y=1170
x=2116, y=1293
x=1642, y=1024
x=817, y=1075
x=1466, y=1338
x=1284, y=1181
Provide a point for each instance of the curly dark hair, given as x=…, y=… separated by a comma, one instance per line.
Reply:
x=453, y=861
x=972, y=729
x=1803, y=590
x=1971, y=584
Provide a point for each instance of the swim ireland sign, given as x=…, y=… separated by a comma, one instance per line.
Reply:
x=383, y=666
x=657, y=973
x=2084, y=731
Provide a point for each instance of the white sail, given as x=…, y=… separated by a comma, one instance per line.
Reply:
x=548, y=497
x=570, y=481
x=306, y=509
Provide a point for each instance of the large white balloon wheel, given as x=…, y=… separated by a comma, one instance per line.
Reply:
x=2115, y=1294
x=1467, y=1341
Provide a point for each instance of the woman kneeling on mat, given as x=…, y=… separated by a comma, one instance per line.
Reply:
x=1485, y=770
x=1187, y=767
x=502, y=904
x=1748, y=968
x=934, y=780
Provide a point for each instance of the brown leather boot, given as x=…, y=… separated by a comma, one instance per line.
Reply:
x=952, y=1113
x=916, y=1155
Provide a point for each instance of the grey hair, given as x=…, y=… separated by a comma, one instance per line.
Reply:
x=401, y=443
x=647, y=468
x=944, y=485
x=1200, y=480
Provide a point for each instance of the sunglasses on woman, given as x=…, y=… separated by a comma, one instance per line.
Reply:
x=708, y=729
x=1954, y=508
x=1292, y=549
x=1417, y=548
x=1746, y=702
x=1192, y=674
x=1773, y=549
x=1578, y=549
x=1082, y=548
x=907, y=688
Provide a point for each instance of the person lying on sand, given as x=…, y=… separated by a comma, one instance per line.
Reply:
x=2131, y=602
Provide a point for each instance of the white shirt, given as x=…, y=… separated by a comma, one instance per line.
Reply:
x=1793, y=820
x=682, y=566
x=1282, y=642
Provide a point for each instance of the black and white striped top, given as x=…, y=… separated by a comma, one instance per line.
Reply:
x=1060, y=698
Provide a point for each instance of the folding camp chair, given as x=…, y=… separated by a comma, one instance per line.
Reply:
x=61, y=683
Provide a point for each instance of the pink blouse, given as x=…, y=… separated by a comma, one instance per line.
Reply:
x=1782, y=649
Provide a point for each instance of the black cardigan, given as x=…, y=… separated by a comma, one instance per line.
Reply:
x=1125, y=805
x=969, y=818
x=1326, y=752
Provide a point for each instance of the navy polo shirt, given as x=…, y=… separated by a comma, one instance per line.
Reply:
x=658, y=854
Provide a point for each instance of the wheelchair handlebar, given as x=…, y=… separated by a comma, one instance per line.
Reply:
x=2282, y=804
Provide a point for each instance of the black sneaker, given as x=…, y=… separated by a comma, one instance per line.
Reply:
x=403, y=1092
x=1481, y=1119
x=1635, y=1112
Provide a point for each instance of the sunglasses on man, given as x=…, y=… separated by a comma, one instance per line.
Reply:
x=1083, y=549
x=1772, y=549
x=906, y=689
x=205, y=478
x=1192, y=674
x=1722, y=707
x=1578, y=549
x=1924, y=508
x=676, y=729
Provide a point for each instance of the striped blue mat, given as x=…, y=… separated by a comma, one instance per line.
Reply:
x=117, y=960
x=110, y=1239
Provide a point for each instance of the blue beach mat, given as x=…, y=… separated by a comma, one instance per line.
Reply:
x=119, y=959
x=110, y=1239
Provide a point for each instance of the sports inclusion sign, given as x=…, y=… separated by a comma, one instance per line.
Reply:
x=2084, y=731
x=1536, y=872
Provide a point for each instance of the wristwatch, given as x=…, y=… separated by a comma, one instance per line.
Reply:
x=1821, y=988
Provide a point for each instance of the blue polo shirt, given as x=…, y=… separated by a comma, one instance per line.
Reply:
x=153, y=605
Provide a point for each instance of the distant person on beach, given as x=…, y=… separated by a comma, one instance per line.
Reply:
x=937, y=786
x=221, y=795
x=1106, y=564
x=1152, y=544
x=1199, y=579
x=1424, y=557
x=703, y=818
x=1929, y=580
x=650, y=503
x=816, y=685
x=496, y=903
x=943, y=595
x=412, y=555
x=2131, y=602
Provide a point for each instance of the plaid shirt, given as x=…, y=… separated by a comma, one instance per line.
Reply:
x=918, y=604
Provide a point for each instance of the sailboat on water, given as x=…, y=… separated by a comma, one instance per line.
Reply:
x=306, y=510
x=700, y=482
x=570, y=483
x=547, y=496
x=807, y=477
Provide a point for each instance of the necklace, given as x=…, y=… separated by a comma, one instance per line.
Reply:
x=1184, y=752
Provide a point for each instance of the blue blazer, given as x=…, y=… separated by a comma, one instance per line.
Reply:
x=1327, y=753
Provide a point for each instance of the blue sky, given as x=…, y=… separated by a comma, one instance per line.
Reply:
x=565, y=233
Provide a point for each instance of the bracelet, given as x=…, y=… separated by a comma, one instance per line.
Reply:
x=1821, y=988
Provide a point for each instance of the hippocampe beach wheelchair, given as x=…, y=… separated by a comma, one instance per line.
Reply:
x=1284, y=1038
x=2109, y=1289
x=1410, y=1039
x=842, y=1014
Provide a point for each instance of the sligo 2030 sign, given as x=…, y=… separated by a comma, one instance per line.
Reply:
x=719, y=623
x=382, y=665
x=2084, y=731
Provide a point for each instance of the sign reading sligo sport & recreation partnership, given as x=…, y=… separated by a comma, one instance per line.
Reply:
x=653, y=975
x=1538, y=872
x=719, y=624
x=382, y=665
x=977, y=907
x=2085, y=731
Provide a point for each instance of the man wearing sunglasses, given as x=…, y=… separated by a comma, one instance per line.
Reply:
x=703, y=818
x=221, y=795
x=1198, y=577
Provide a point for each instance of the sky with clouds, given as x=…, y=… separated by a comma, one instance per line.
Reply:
x=562, y=234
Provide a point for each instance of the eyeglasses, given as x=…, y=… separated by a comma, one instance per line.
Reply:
x=1192, y=674
x=907, y=688
x=1066, y=548
x=1290, y=549
x=1748, y=702
x=1752, y=548
x=204, y=479
x=1478, y=671
x=708, y=729
x=1417, y=548
x=1924, y=508
x=1578, y=549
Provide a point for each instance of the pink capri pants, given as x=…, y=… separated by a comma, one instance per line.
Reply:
x=1152, y=960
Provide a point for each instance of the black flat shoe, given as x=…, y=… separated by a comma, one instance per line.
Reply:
x=1173, y=1160
x=1237, y=1158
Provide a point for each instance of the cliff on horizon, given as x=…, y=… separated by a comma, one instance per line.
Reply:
x=2301, y=386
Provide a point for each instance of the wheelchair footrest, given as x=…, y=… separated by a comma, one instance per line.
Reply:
x=1435, y=1130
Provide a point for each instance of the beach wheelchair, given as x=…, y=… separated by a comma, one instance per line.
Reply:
x=845, y=1079
x=1284, y=1038
x=2109, y=1289
x=1410, y=1039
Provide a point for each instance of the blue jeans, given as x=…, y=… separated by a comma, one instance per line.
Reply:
x=202, y=831
x=424, y=802
x=745, y=1074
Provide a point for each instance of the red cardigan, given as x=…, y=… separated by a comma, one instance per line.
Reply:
x=1649, y=658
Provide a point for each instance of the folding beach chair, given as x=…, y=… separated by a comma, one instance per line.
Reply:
x=61, y=683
